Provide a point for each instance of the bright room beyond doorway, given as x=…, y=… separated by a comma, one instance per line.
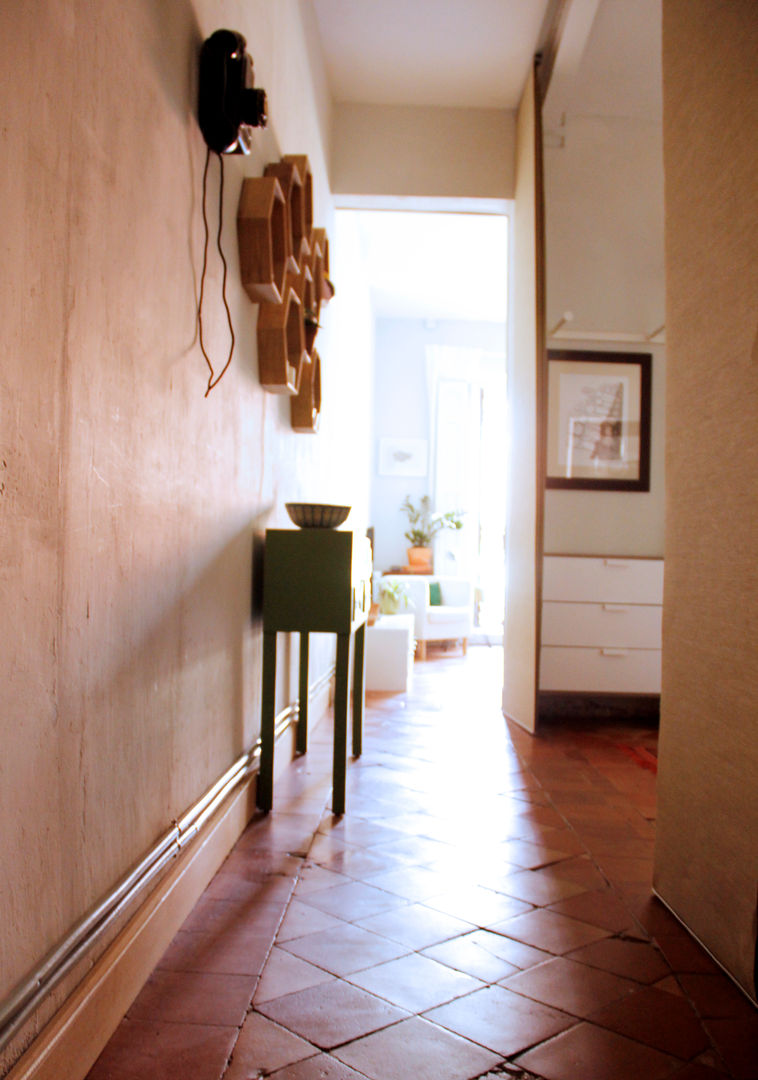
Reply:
x=438, y=288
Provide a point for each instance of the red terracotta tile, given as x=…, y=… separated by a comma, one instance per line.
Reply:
x=632, y=959
x=502, y=1021
x=716, y=996
x=264, y=1046
x=588, y=1051
x=478, y=905
x=415, y=982
x=540, y=888
x=416, y=926
x=332, y=1014
x=469, y=956
x=569, y=986
x=232, y=953
x=344, y=949
x=164, y=1051
x=600, y=907
x=302, y=918
x=664, y=1021
x=194, y=998
x=419, y=1050
x=550, y=931
x=737, y=1043
x=321, y=1067
x=354, y=901
x=285, y=974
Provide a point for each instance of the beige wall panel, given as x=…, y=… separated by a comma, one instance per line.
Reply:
x=407, y=150
x=130, y=667
x=521, y=525
x=706, y=856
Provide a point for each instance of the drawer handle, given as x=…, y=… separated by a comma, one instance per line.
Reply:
x=616, y=609
x=614, y=652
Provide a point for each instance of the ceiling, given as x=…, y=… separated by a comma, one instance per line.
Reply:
x=466, y=53
x=474, y=53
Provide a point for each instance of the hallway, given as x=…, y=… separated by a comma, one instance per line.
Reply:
x=482, y=909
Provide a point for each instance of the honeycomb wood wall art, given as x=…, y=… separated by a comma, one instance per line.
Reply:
x=284, y=263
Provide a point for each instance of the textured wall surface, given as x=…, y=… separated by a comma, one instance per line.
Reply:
x=129, y=502
x=706, y=857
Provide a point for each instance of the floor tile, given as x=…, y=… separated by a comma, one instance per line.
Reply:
x=601, y=907
x=502, y=1021
x=664, y=1021
x=164, y=1051
x=633, y=959
x=551, y=931
x=194, y=998
x=331, y=1014
x=569, y=986
x=539, y=888
x=416, y=926
x=413, y=882
x=716, y=996
x=344, y=949
x=415, y=982
x=314, y=878
x=354, y=901
x=467, y=955
x=285, y=973
x=588, y=1051
x=418, y=1050
x=264, y=1046
x=737, y=1043
x=230, y=953
x=302, y=918
x=478, y=905
x=321, y=1067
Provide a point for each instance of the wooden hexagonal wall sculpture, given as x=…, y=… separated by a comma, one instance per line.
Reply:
x=281, y=344
x=320, y=265
x=302, y=217
x=305, y=408
x=304, y=286
x=292, y=186
x=262, y=237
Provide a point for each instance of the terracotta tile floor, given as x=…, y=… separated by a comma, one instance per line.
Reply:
x=483, y=909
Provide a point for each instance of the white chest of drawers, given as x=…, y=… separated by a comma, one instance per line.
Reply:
x=601, y=625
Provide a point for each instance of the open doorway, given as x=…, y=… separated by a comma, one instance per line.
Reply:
x=439, y=295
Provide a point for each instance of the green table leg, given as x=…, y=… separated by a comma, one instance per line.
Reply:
x=358, y=683
x=341, y=693
x=264, y=795
x=301, y=743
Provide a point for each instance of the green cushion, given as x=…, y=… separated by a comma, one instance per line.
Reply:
x=435, y=594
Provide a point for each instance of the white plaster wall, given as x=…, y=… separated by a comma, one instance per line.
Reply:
x=129, y=501
x=423, y=151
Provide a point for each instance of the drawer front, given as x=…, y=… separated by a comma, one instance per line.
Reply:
x=630, y=581
x=606, y=670
x=636, y=626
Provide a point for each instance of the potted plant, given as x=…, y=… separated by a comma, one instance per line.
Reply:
x=392, y=596
x=423, y=527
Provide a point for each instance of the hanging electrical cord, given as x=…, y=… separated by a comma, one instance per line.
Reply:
x=213, y=379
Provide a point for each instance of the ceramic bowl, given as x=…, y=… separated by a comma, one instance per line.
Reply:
x=316, y=515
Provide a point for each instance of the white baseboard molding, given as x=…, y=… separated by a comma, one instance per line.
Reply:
x=70, y=1044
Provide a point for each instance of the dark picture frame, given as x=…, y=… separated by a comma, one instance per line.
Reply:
x=598, y=420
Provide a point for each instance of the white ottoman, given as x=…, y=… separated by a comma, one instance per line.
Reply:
x=389, y=653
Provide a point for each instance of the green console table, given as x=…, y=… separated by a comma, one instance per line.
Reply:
x=315, y=581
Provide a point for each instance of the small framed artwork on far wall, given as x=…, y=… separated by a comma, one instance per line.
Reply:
x=598, y=420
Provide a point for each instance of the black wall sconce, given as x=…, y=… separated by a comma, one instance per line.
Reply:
x=229, y=105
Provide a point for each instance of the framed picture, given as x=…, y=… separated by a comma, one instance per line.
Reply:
x=403, y=457
x=598, y=420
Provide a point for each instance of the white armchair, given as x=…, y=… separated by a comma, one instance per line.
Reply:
x=450, y=620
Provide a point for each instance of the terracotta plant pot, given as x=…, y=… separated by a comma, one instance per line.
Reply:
x=420, y=558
